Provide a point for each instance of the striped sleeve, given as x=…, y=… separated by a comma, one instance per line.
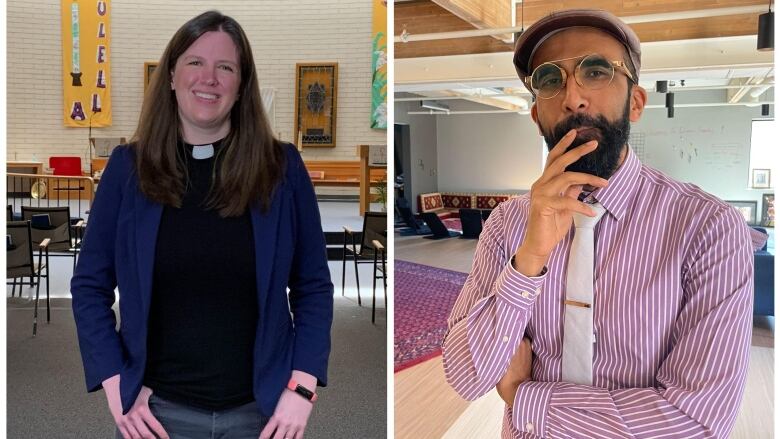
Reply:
x=699, y=384
x=489, y=317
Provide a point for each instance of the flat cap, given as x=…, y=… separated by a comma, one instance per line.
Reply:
x=537, y=33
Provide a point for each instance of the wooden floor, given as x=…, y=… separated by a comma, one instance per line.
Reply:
x=426, y=407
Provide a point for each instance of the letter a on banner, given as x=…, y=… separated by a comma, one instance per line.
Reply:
x=86, y=62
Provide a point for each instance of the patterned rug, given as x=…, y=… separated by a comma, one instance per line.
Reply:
x=424, y=297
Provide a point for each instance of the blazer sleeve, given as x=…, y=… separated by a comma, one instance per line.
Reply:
x=311, y=290
x=94, y=279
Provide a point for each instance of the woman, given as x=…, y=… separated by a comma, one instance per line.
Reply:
x=203, y=222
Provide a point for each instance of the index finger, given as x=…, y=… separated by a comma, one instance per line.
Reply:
x=560, y=147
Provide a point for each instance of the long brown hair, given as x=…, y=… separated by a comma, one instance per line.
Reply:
x=251, y=163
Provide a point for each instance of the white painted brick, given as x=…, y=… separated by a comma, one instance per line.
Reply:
x=281, y=33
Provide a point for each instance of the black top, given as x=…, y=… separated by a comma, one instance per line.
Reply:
x=203, y=314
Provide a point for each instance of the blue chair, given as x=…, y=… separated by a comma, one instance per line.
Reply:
x=763, y=284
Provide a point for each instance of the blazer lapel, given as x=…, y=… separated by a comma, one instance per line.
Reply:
x=147, y=224
x=264, y=229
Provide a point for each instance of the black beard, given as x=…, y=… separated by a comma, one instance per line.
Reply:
x=612, y=136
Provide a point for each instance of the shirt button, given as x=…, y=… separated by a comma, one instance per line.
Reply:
x=525, y=294
x=529, y=427
x=505, y=339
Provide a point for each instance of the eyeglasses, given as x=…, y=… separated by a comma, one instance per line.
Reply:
x=592, y=73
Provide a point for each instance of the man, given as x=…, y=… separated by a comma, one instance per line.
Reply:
x=660, y=346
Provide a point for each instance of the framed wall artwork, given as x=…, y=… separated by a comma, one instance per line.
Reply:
x=747, y=209
x=761, y=179
x=148, y=70
x=768, y=210
x=316, y=94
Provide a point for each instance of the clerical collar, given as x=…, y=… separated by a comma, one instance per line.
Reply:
x=203, y=152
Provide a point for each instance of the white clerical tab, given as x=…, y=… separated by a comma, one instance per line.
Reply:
x=201, y=152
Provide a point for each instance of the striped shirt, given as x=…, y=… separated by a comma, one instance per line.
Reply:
x=673, y=286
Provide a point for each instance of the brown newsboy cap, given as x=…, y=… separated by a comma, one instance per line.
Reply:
x=537, y=33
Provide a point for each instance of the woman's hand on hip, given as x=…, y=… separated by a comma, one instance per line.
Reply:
x=289, y=419
x=138, y=423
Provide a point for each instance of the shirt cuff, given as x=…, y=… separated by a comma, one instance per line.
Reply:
x=529, y=412
x=518, y=289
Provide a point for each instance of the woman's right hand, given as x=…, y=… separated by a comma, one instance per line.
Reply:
x=552, y=204
x=139, y=422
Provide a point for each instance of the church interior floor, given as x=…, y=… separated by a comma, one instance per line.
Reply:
x=426, y=406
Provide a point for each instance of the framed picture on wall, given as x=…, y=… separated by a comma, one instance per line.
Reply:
x=768, y=210
x=747, y=209
x=761, y=178
x=316, y=94
x=148, y=70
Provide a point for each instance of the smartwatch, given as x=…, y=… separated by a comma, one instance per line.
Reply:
x=299, y=389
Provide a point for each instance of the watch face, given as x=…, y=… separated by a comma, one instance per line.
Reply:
x=304, y=392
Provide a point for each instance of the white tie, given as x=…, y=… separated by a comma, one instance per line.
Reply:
x=578, y=336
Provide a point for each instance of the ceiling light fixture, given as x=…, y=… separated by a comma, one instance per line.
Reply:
x=766, y=30
x=661, y=86
x=670, y=105
x=431, y=105
x=765, y=109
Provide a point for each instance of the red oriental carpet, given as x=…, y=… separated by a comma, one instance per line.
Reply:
x=424, y=297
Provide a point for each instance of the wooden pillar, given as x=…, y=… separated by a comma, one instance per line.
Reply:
x=365, y=179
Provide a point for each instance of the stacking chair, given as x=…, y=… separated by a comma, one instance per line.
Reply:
x=437, y=227
x=20, y=263
x=9, y=213
x=374, y=228
x=471, y=220
x=379, y=249
x=54, y=223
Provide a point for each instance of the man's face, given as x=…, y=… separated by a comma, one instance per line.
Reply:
x=602, y=114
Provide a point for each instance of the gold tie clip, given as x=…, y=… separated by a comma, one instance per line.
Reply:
x=576, y=303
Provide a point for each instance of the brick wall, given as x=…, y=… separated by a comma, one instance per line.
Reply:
x=281, y=33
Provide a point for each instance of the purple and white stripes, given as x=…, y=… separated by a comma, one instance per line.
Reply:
x=673, y=312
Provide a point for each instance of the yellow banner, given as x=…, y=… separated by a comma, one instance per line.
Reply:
x=86, y=63
x=379, y=66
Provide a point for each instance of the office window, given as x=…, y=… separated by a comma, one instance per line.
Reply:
x=763, y=155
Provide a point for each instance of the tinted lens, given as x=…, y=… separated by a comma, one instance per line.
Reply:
x=595, y=72
x=547, y=80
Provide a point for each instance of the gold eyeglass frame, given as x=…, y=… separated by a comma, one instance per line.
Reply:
x=616, y=64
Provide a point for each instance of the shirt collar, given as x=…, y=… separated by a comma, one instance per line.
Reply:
x=622, y=187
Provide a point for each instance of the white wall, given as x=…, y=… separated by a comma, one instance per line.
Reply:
x=488, y=152
x=424, y=145
x=281, y=33
x=503, y=152
x=707, y=146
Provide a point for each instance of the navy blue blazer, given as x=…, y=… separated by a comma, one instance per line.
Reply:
x=293, y=331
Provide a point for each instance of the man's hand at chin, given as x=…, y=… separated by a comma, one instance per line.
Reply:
x=519, y=371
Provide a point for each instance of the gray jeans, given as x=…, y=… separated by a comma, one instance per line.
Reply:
x=185, y=422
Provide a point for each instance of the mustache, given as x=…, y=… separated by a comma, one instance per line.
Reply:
x=600, y=124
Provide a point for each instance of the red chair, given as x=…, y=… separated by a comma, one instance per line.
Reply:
x=69, y=166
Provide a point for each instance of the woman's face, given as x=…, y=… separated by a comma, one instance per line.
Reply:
x=206, y=80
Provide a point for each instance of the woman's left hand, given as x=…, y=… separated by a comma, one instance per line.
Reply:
x=289, y=419
x=292, y=411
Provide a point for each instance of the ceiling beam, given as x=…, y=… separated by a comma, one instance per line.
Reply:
x=426, y=17
x=674, y=30
x=482, y=14
x=659, y=57
x=484, y=100
x=536, y=9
